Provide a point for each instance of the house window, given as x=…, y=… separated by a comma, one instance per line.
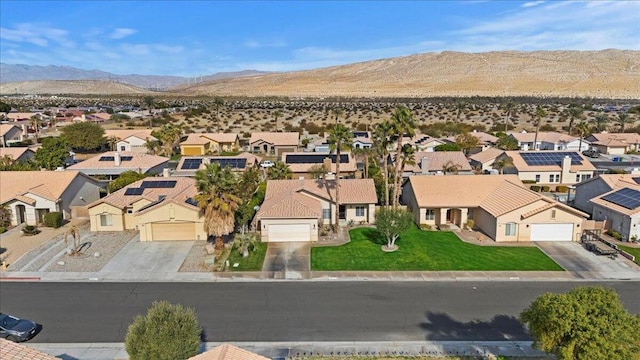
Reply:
x=123, y=148
x=557, y=177
x=553, y=214
x=359, y=210
x=586, y=177
x=430, y=214
x=577, y=177
x=129, y=209
x=538, y=178
x=510, y=229
x=106, y=220
x=551, y=177
x=326, y=213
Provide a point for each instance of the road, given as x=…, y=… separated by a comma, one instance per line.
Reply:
x=292, y=311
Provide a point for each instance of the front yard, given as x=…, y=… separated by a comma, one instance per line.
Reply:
x=633, y=251
x=426, y=251
x=251, y=263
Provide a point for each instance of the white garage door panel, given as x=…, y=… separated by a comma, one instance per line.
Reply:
x=551, y=232
x=289, y=232
x=175, y=231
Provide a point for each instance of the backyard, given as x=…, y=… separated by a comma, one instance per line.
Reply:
x=426, y=251
x=633, y=251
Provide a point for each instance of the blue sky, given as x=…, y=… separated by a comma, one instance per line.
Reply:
x=190, y=38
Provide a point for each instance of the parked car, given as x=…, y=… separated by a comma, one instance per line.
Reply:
x=591, y=153
x=15, y=329
x=267, y=164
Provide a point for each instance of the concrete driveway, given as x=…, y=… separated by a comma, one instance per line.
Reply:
x=289, y=258
x=571, y=256
x=149, y=256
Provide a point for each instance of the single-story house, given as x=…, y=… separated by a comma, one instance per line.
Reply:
x=131, y=140
x=274, y=143
x=114, y=163
x=485, y=141
x=161, y=208
x=421, y=142
x=361, y=140
x=30, y=195
x=209, y=143
x=189, y=165
x=485, y=160
x=17, y=153
x=548, y=140
x=294, y=210
x=437, y=162
x=615, y=143
x=621, y=210
x=303, y=163
x=550, y=167
x=227, y=352
x=10, y=133
x=601, y=184
x=22, y=116
x=499, y=205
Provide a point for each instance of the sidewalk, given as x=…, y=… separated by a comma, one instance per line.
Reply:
x=287, y=350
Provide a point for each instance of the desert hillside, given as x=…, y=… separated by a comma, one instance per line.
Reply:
x=82, y=87
x=601, y=74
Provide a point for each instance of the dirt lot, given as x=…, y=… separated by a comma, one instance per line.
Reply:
x=14, y=245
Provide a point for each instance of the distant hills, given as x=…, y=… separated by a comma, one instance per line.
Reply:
x=598, y=74
x=21, y=72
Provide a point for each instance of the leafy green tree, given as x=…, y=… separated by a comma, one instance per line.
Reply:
x=5, y=216
x=391, y=223
x=279, y=171
x=4, y=107
x=467, y=141
x=126, y=178
x=84, y=136
x=246, y=188
x=167, y=332
x=339, y=137
x=7, y=163
x=52, y=154
x=507, y=143
x=584, y=324
x=448, y=147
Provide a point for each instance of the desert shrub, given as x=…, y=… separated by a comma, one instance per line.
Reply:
x=562, y=188
x=535, y=188
x=30, y=230
x=53, y=219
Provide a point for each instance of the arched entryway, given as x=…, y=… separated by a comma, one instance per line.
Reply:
x=21, y=214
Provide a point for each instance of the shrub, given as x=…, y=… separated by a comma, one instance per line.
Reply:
x=535, y=188
x=426, y=227
x=528, y=181
x=562, y=188
x=616, y=235
x=3, y=229
x=30, y=230
x=166, y=332
x=545, y=188
x=53, y=219
x=470, y=224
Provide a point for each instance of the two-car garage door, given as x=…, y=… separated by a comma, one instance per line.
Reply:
x=289, y=232
x=174, y=231
x=551, y=232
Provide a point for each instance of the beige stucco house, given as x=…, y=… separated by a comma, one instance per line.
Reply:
x=615, y=143
x=209, y=143
x=10, y=133
x=431, y=163
x=294, y=210
x=548, y=140
x=30, y=195
x=499, y=205
x=302, y=163
x=485, y=159
x=274, y=143
x=189, y=165
x=161, y=208
x=131, y=140
x=550, y=167
x=17, y=153
x=113, y=163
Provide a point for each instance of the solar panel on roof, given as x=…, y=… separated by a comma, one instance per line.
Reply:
x=134, y=191
x=191, y=201
x=314, y=158
x=627, y=198
x=363, y=134
x=106, y=158
x=235, y=163
x=158, y=184
x=191, y=164
x=126, y=158
x=543, y=158
x=636, y=179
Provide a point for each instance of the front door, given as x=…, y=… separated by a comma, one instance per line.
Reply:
x=342, y=213
x=449, y=215
x=20, y=214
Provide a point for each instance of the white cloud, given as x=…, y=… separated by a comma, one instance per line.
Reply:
x=121, y=33
x=255, y=44
x=36, y=34
x=532, y=3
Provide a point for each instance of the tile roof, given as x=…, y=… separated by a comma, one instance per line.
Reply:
x=122, y=134
x=438, y=159
x=48, y=184
x=483, y=138
x=228, y=352
x=546, y=136
x=185, y=188
x=276, y=138
x=487, y=155
x=614, y=181
x=139, y=162
x=616, y=138
x=5, y=128
x=14, y=351
x=521, y=165
x=15, y=152
x=304, y=167
x=508, y=196
x=21, y=115
x=290, y=205
x=204, y=138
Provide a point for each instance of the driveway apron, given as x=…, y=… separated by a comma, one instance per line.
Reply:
x=289, y=259
x=149, y=256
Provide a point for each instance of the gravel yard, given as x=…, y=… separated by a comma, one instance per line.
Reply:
x=194, y=262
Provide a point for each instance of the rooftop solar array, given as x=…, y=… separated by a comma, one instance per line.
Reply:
x=191, y=201
x=550, y=158
x=627, y=198
x=363, y=134
x=113, y=158
x=158, y=184
x=235, y=163
x=134, y=191
x=423, y=139
x=636, y=179
x=191, y=164
x=314, y=158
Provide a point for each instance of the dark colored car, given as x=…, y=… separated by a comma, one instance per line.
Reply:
x=15, y=329
x=591, y=153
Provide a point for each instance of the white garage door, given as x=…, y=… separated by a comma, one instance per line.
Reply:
x=551, y=232
x=289, y=232
x=174, y=231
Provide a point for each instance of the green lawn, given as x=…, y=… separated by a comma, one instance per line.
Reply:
x=426, y=250
x=633, y=251
x=251, y=263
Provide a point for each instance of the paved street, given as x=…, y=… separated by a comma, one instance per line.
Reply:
x=292, y=311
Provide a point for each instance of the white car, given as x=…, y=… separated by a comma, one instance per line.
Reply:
x=267, y=164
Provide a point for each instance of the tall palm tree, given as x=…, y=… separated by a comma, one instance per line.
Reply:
x=408, y=156
x=583, y=128
x=337, y=113
x=339, y=137
x=111, y=142
x=218, y=102
x=148, y=102
x=460, y=108
x=276, y=115
x=600, y=120
x=510, y=107
x=540, y=113
x=403, y=124
x=623, y=119
x=381, y=142
x=217, y=201
x=575, y=113
x=503, y=163
x=35, y=121
x=451, y=167
x=279, y=171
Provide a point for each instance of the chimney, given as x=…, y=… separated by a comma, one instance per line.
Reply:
x=424, y=165
x=326, y=162
x=116, y=159
x=25, y=133
x=166, y=172
x=566, y=170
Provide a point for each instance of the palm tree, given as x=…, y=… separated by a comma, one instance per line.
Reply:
x=276, y=115
x=623, y=119
x=510, y=108
x=218, y=102
x=217, y=201
x=403, y=124
x=600, y=120
x=279, y=171
x=363, y=154
x=503, y=163
x=339, y=137
x=408, y=156
x=381, y=141
x=74, y=232
x=460, y=107
x=111, y=142
x=337, y=112
x=583, y=128
x=540, y=113
x=35, y=124
x=575, y=113
x=451, y=167
x=148, y=102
